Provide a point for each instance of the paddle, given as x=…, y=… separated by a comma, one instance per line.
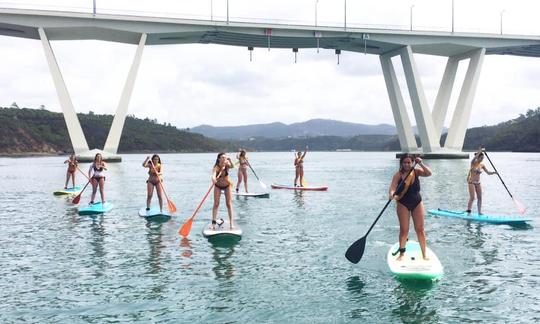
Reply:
x=78, y=197
x=356, y=250
x=170, y=204
x=260, y=181
x=521, y=208
x=186, y=228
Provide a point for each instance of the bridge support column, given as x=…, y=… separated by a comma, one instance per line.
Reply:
x=78, y=141
x=429, y=124
x=76, y=134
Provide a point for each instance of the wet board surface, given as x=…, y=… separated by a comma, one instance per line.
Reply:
x=69, y=191
x=413, y=265
x=97, y=208
x=154, y=212
x=493, y=219
x=222, y=230
x=309, y=188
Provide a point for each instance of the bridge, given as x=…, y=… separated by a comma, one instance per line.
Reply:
x=386, y=43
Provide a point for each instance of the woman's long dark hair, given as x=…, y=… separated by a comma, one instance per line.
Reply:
x=242, y=153
x=218, y=158
x=402, y=158
x=95, y=157
x=476, y=157
x=155, y=155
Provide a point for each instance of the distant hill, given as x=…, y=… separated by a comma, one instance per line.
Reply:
x=42, y=131
x=521, y=134
x=310, y=128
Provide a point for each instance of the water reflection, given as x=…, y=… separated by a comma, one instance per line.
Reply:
x=298, y=198
x=154, y=236
x=413, y=306
x=355, y=285
x=222, y=250
x=97, y=243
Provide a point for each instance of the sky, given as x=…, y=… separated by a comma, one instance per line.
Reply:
x=190, y=85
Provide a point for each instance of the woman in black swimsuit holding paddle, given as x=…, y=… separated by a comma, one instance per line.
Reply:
x=220, y=178
x=409, y=201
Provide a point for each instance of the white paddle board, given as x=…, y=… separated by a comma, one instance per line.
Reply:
x=310, y=188
x=154, y=212
x=222, y=230
x=412, y=265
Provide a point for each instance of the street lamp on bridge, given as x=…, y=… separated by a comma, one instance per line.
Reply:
x=411, y=15
x=502, y=12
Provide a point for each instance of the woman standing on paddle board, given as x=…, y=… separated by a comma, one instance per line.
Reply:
x=73, y=164
x=154, y=180
x=409, y=201
x=221, y=180
x=96, y=174
x=473, y=180
x=242, y=169
x=299, y=166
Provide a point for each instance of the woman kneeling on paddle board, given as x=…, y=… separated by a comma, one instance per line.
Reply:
x=299, y=166
x=73, y=164
x=220, y=178
x=96, y=175
x=409, y=201
x=154, y=180
x=242, y=169
x=473, y=180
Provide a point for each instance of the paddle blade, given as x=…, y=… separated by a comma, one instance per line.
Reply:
x=186, y=228
x=356, y=250
x=262, y=184
x=172, y=207
x=77, y=199
x=521, y=208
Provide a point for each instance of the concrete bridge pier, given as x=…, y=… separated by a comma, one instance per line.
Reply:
x=76, y=134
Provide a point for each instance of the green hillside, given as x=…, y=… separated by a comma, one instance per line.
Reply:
x=42, y=131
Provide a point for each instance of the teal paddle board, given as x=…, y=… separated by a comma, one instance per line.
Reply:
x=154, y=212
x=412, y=265
x=493, y=219
x=97, y=208
x=222, y=230
x=69, y=191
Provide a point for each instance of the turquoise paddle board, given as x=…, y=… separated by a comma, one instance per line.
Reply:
x=154, y=212
x=222, y=230
x=309, y=188
x=493, y=219
x=96, y=208
x=412, y=265
x=69, y=191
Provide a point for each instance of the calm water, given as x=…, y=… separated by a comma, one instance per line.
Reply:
x=289, y=266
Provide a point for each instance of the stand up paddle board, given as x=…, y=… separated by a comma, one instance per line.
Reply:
x=97, y=208
x=154, y=212
x=493, y=219
x=278, y=186
x=252, y=194
x=222, y=230
x=69, y=191
x=412, y=265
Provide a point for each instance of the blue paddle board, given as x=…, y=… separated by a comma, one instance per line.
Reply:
x=493, y=219
x=69, y=191
x=154, y=212
x=412, y=265
x=96, y=208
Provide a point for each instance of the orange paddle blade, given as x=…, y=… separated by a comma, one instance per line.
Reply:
x=186, y=228
x=172, y=207
x=521, y=208
x=77, y=199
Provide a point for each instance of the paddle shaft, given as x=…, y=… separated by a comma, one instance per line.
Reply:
x=249, y=164
x=78, y=197
x=502, y=181
x=84, y=174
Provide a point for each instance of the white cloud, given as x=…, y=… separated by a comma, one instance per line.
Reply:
x=188, y=85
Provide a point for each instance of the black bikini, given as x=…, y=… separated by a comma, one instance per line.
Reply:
x=223, y=176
